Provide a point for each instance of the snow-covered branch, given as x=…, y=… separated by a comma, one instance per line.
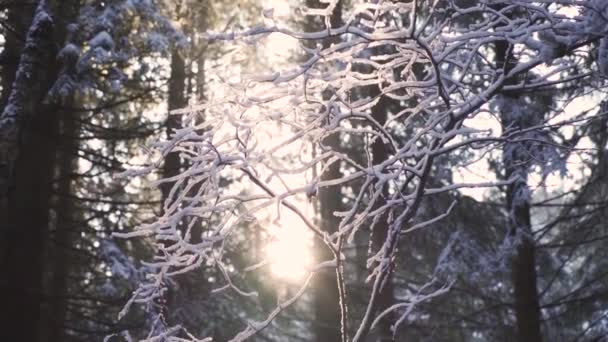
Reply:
x=430, y=64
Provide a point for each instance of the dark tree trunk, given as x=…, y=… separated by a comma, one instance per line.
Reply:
x=26, y=232
x=527, y=309
x=61, y=238
x=516, y=164
x=326, y=295
x=380, y=231
x=18, y=21
x=326, y=302
x=176, y=100
x=28, y=131
x=29, y=152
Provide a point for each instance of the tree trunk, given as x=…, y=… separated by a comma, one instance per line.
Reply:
x=176, y=100
x=28, y=152
x=19, y=18
x=62, y=236
x=172, y=165
x=326, y=301
x=380, y=231
x=28, y=131
x=516, y=160
x=326, y=296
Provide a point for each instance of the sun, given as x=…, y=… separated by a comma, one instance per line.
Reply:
x=289, y=253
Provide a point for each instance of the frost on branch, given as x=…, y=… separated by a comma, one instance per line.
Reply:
x=430, y=66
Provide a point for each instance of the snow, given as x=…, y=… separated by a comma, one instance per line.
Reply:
x=102, y=40
x=447, y=72
x=15, y=112
x=69, y=52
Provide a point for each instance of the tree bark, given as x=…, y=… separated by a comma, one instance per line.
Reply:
x=326, y=300
x=61, y=238
x=176, y=100
x=515, y=161
x=19, y=18
x=380, y=231
x=172, y=165
x=28, y=148
x=326, y=296
x=28, y=151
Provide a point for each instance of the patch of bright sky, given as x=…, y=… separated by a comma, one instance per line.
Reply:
x=289, y=247
x=289, y=251
x=569, y=11
x=479, y=171
x=280, y=46
x=575, y=161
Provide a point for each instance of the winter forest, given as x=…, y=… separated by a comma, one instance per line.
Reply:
x=303, y=170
